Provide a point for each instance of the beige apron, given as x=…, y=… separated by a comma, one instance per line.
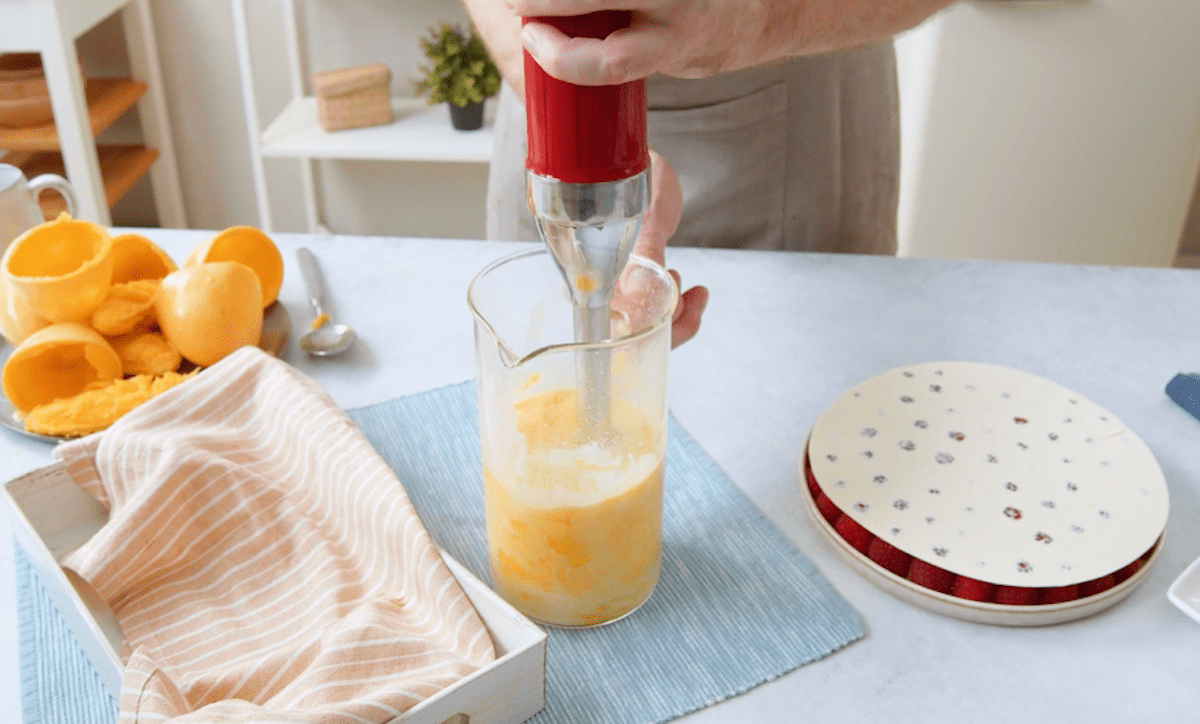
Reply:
x=802, y=155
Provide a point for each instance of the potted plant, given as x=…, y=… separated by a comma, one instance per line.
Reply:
x=460, y=73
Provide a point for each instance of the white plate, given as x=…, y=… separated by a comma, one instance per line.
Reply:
x=277, y=325
x=1185, y=591
x=991, y=473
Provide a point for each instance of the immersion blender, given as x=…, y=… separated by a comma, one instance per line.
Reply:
x=588, y=183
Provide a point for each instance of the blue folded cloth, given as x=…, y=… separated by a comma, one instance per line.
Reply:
x=1184, y=388
x=737, y=604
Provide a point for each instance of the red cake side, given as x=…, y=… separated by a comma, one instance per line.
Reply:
x=935, y=578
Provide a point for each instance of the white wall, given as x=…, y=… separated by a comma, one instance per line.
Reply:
x=1189, y=243
x=195, y=40
x=1055, y=130
x=1050, y=131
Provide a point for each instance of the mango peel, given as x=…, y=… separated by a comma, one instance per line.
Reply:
x=84, y=308
x=136, y=258
x=61, y=268
x=210, y=309
x=18, y=320
x=125, y=307
x=55, y=362
x=251, y=247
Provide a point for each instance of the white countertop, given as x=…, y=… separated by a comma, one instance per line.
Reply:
x=783, y=336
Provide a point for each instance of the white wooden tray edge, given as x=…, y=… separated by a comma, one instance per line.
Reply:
x=1185, y=591
x=51, y=516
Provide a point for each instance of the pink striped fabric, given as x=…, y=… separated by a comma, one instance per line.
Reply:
x=264, y=562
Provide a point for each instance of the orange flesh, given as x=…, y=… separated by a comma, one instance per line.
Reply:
x=59, y=251
x=574, y=533
x=56, y=370
x=585, y=283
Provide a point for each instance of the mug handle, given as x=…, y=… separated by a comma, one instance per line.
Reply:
x=57, y=183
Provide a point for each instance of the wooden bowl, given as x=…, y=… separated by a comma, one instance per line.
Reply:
x=24, y=96
x=23, y=88
x=20, y=66
x=22, y=112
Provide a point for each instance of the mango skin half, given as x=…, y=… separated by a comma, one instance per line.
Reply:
x=209, y=310
x=62, y=268
x=55, y=362
x=136, y=258
x=250, y=246
x=17, y=318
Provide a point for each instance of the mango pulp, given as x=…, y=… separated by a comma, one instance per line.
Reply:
x=575, y=530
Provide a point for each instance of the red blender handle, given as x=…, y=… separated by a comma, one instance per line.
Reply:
x=584, y=134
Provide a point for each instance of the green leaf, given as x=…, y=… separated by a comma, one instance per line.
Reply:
x=461, y=71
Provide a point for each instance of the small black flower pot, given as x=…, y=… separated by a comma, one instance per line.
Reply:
x=468, y=117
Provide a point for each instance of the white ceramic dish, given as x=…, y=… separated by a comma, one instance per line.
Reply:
x=991, y=473
x=975, y=611
x=1185, y=591
x=50, y=516
x=277, y=326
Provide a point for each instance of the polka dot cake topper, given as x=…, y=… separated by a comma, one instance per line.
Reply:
x=990, y=473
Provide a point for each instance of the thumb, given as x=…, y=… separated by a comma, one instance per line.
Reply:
x=666, y=207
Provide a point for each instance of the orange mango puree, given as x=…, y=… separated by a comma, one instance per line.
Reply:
x=575, y=530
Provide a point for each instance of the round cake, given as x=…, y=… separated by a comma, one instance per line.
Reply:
x=985, y=492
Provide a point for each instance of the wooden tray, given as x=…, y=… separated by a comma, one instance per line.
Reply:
x=51, y=516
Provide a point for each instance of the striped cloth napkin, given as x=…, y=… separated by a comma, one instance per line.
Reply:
x=264, y=562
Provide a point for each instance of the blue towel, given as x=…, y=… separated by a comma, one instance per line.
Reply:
x=59, y=685
x=1185, y=390
x=737, y=604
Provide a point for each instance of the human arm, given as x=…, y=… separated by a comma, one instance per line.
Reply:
x=500, y=30
x=697, y=38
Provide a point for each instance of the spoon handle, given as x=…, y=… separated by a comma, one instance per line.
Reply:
x=312, y=280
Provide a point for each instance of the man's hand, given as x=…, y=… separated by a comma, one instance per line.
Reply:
x=658, y=224
x=698, y=38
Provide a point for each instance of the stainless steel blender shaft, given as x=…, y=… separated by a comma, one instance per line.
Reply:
x=590, y=230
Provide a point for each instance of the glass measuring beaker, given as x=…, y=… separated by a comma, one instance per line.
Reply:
x=573, y=508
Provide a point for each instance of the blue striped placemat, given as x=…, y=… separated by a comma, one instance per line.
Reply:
x=59, y=685
x=737, y=604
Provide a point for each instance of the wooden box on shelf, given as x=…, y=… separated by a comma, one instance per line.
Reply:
x=353, y=97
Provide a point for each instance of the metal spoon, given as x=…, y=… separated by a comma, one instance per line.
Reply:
x=325, y=338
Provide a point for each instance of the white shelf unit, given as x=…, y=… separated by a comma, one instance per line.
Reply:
x=419, y=133
x=51, y=27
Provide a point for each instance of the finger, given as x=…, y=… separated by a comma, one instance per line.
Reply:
x=625, y=55
x=693, y=302
x=678, y=310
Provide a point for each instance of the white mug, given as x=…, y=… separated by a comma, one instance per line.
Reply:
x=19, y=210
